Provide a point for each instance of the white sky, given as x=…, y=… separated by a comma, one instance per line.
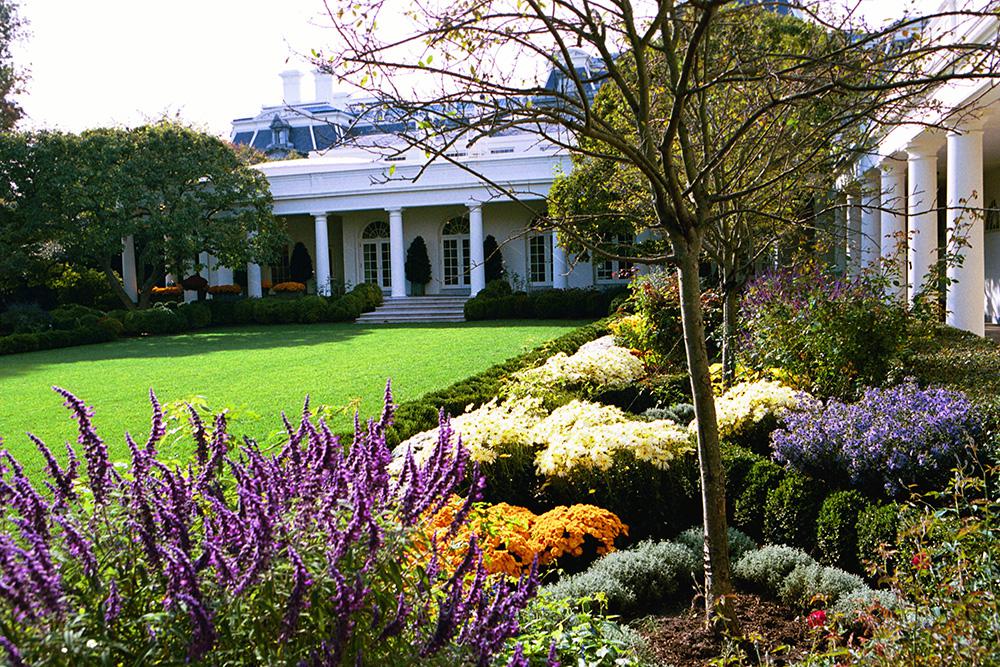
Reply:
x=107, y=62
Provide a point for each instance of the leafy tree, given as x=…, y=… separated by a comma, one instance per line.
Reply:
x=710, y=116
x=176, y=191
x=11, y=77
x=494, y=259
x=418, y=264
x=300, y=264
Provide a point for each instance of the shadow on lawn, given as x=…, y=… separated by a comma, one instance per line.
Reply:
x=249, y=338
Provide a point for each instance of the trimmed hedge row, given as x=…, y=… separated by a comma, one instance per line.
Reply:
x=571, y=304
x=78, y=325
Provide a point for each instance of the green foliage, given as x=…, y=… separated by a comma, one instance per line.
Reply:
x=24, y=318
x=418, y=264
x=635, y=581
x=313, y=309
x=680, y=413
x=942, y=355
x=71, y=315
x=196, y=315
x=946, y=582
x=581, y=632
x=300, y=264
x=94, y=331
x=495, y=289
x=836, y=529
x=751, y=499
x=876, y=530
x=576, y=304
x=765, y=569
x=176, y=191
x=812, y=584
x=494, y=268
x=740, y=543
x=82, y=286
x=11, y=76
x=154, y=321
x=790, y=512
x=827, y=335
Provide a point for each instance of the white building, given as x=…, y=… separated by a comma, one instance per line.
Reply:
x=931, y=193
x=357, y=205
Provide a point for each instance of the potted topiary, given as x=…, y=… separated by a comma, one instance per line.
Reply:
x=300, y=264
x=494, y=268
x=418, y=266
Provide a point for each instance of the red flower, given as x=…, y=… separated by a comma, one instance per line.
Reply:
x=921, y=560
x=817, y=619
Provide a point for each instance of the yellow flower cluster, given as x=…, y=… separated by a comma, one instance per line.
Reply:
x=583, y=435
x=747, y=403
x=595, y=366
x=511, y=536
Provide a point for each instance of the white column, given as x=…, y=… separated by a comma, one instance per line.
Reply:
x=213, y=271
x=396, y=256
x=254, y=288
x=893, y=245
x=921, y=213
x=871, y=220
x=477, y=265
x=203, y=259
x=967, y=278
x=853, y=233
x=560, y=270
x=129, y=278
x=322, y=255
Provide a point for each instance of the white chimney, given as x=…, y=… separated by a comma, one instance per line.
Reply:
x=290, y=80
x=324, y=86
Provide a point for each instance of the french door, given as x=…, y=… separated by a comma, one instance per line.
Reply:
x=456, y=261
x=377, y=265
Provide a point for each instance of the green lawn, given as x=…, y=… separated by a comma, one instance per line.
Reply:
x=256, y=372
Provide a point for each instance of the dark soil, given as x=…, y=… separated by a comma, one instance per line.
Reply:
x=680, y=639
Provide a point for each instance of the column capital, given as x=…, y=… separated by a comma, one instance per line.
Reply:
x=966, y=125
x=394, y=209
x=892, y=165
x=924, y=145
x=473, y=204
x=319, y=214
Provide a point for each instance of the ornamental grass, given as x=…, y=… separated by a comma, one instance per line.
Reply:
x=295, y=556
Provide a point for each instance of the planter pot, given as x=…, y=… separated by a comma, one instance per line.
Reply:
x=417, y=289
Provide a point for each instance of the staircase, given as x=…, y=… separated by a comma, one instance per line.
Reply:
x=417, y=309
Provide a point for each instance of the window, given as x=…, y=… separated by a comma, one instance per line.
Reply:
x=540, y=259
x=279, y=271
x=376, y=265
x=455, y=251
x=613, y=270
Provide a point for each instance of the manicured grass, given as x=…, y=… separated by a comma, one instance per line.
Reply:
x=256, y=372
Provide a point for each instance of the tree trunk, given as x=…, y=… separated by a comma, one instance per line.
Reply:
x=730, y=309
x=116, y=286
x=718, y=582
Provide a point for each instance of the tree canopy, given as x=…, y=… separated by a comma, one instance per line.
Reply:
x=11, y=76
x=176, y=191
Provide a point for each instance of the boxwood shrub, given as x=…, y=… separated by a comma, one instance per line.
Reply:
x=154, y=321
x=836, y=529
x=751, y=499
x=495, y=303
x=877, y=526
x=791, y=510
x=197, y=315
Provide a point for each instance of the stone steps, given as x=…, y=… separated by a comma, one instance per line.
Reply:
x=437, y=308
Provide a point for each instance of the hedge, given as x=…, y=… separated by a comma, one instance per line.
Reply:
x=70, y=325
x=572, y=304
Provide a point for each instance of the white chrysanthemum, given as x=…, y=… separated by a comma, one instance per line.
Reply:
x=595, y=366
x=485, y=431
x=748, y=403
x=586, y=436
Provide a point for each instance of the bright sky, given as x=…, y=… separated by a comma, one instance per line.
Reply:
x=104, y=62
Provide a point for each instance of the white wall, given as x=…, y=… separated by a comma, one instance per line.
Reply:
x=992, y=189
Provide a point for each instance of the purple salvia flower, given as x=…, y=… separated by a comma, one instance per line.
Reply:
x=78, y=546
x=62, y=486
x=553, y=658
x=112, y=604
x=94, y=450
x=517, y=659
x=200, y=435
x=204, y=635
x=14, y=657
x=158, y=429
x=297, y=599
x=398, y=622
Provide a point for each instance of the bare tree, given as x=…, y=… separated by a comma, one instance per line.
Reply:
x=716, y=116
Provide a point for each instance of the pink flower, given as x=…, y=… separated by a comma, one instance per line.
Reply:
x=921, y=560
x=817, y=619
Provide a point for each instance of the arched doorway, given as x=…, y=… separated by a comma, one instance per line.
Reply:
x=455, y=252
x=375, y=258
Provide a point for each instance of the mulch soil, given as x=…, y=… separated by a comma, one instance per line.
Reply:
x=680, y=639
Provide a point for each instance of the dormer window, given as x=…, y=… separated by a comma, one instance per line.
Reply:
x=281, y=131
